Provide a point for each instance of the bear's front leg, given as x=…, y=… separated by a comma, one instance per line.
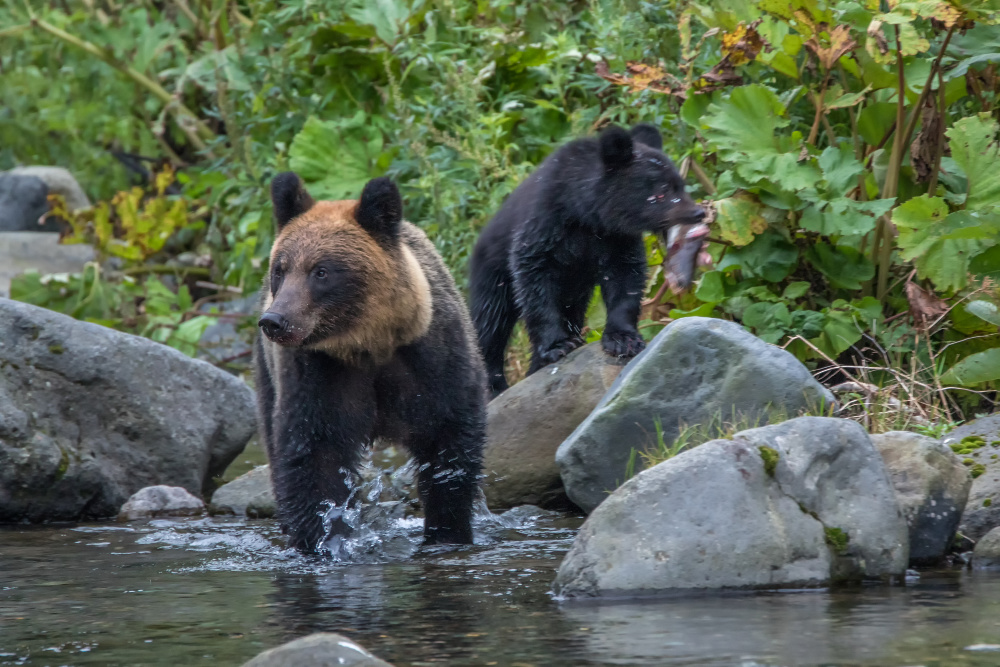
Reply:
x=623, y=279
x=449, y=477
x=323, y=415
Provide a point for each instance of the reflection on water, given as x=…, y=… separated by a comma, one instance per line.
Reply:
x=217, y=592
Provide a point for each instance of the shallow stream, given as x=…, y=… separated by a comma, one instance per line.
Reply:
x=218, y=591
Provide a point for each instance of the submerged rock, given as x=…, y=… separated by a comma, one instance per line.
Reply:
x=527, y=423
x=978, y=445
x=987, y=552
x=158, y=501
x=321, y=649
x=801, y=503
x=932, y=487
x=695, y=371
x=250, y=495
x=89, y=415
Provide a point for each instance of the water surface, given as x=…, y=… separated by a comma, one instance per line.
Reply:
x=217, y=592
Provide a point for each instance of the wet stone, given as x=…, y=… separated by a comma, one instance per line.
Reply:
x=932, y=487
x=249, y=495
x=160, y=501
x=987, y=553
x=322, y=649
x=696, y=370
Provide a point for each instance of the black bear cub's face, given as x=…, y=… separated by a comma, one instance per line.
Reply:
x=645, y=191
x=326, y=261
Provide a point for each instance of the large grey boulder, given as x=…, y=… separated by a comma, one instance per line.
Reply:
x=89, y=415
x=527, y=423
x=159, y=501
x=22, y=203
x=322, y=649
x=58, y=181
x=249, y=495
x=986, y=555
x=932, y=487
x=978, y=445
x=801, y=503
x=694, y=371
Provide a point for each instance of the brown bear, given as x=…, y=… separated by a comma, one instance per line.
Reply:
x=364, y=336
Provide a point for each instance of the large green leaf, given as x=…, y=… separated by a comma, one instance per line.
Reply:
x=770, y=256
x=940, y=244
x=844, y=217
x=336, y=158
x=974, y=369
x=843, y=266
x=975, y=149
x=387, y=17
x=875, y=120
x=746, y=122
x=840, y=168
x=984, y=310
x=739, y=219
x=768, y=320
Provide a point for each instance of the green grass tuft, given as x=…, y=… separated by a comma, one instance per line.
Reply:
x=837, y=539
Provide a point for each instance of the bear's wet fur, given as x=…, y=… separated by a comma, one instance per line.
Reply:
x=364, y=336
x=576, y=222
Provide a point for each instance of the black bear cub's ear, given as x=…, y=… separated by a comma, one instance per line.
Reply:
x=289, y=197
x=648, y=134
x=616, y=147
x=381, y=209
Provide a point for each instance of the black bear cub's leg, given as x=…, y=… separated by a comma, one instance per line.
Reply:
x=623, y=282
x=448, y=479
x=494, y=314
x=541, y=297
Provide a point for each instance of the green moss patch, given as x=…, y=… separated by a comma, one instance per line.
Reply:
x=977, y=470
x=837, y=539
x=968, y=444
x=770, y=457
x=987, y=502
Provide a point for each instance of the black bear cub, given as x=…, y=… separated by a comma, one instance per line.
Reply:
x=576, y=222
x=364, y=336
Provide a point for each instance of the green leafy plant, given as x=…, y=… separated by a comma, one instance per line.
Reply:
x=845, y=149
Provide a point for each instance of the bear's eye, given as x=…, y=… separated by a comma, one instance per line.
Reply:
x=321, y=273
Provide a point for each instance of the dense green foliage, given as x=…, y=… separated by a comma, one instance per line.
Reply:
x=850, y=148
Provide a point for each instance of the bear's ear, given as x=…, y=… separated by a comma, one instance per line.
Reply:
x=648, y=134
x=381, y=209
x=289, y=197
x=616, y=147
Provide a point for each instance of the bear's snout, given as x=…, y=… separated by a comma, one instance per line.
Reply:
x=686, y=213
x=274, y=326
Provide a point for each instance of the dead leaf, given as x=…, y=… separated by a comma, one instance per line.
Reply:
x=923, y=150
x=739, y=47
x=875, y=33
x=925, y=306
x=640, y=77
x=946, y=15
x=743, y=44
x=841, y=42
